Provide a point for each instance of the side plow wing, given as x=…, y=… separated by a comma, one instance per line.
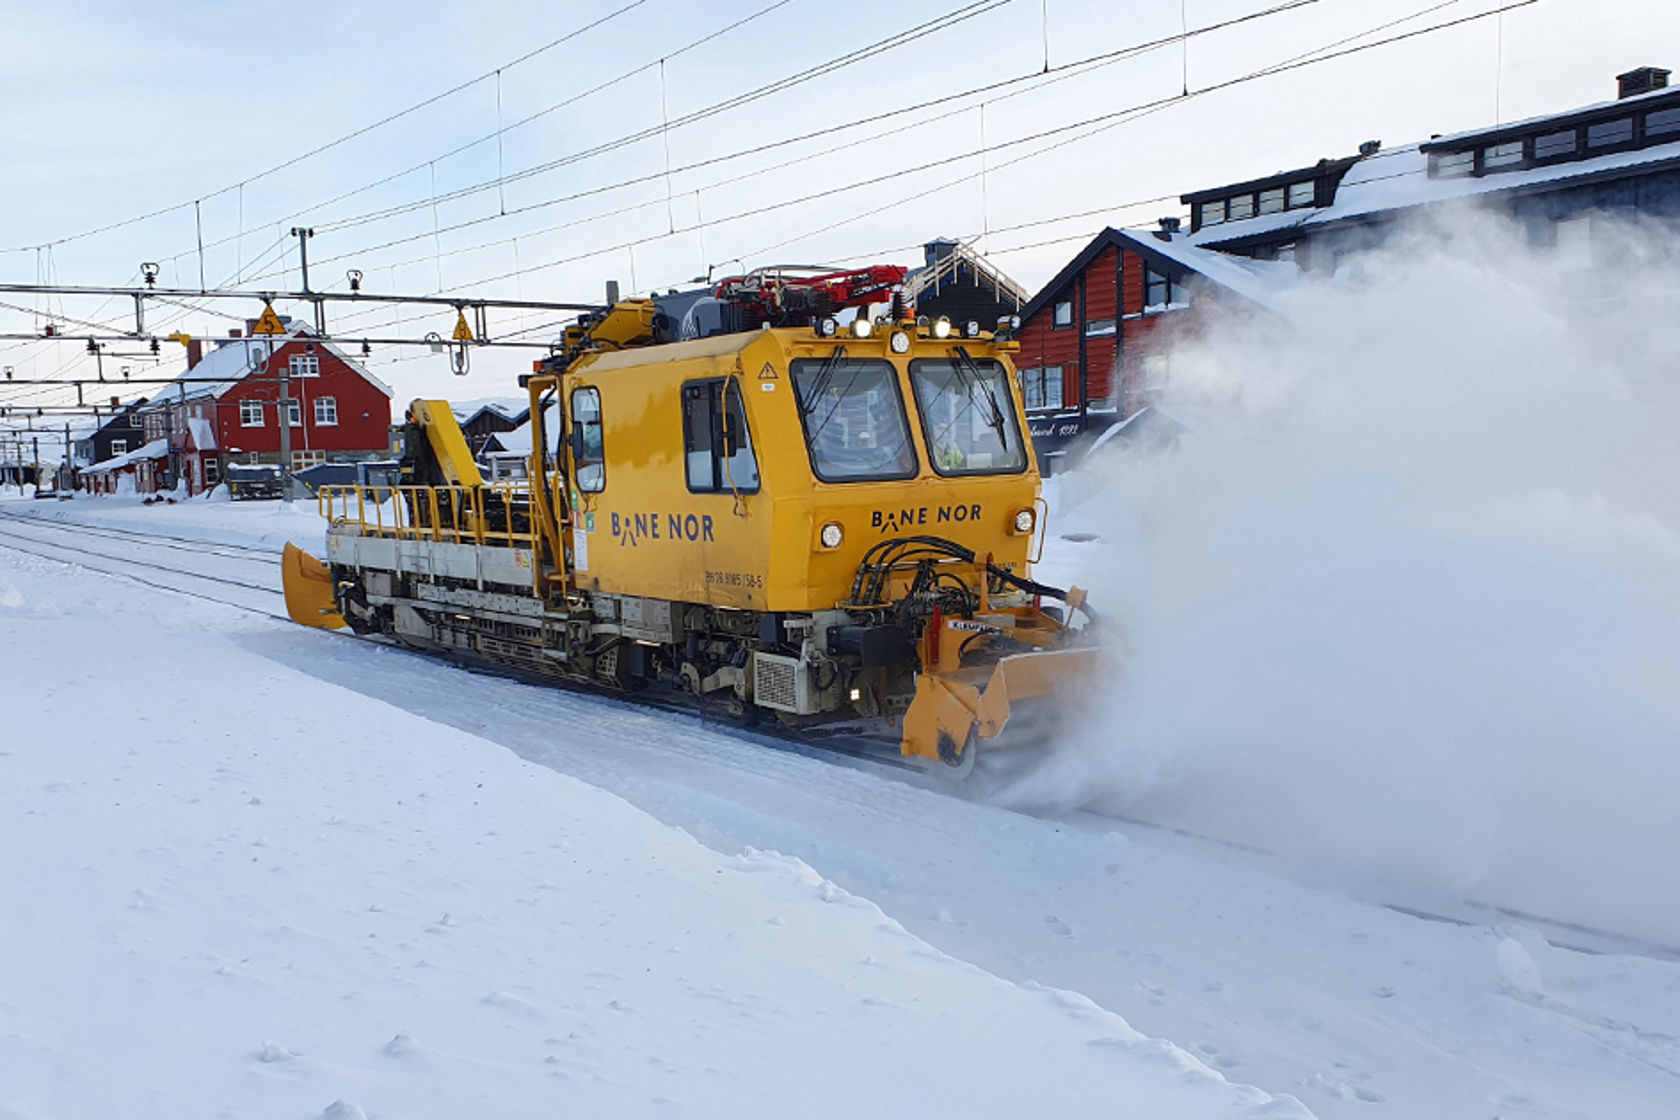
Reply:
x=309, y=590
x=950, y=715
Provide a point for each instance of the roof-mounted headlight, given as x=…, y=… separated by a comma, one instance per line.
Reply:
x=826, y=327
x=862, y=327
x=900, y=342
x=971, y=329
x=942, y=327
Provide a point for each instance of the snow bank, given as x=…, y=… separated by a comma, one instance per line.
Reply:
x=251, y=893
x=1405, y=604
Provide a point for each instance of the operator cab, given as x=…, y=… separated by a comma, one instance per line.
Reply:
x=857, y=429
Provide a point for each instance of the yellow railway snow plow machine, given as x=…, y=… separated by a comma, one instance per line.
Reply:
x=829, y=524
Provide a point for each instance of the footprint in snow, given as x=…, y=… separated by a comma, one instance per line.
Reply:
x=1057, y=926
x=401, y=1045
x=343, y=1110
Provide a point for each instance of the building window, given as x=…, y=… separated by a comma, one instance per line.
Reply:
x=1610, y=133
x=251, y=414
x=1451, y=165
x=294, y=410
x=1210, y=213
x=1242, y=206
x=1495, y=156
x=1161, y=292
x=212, y=472
x=1662, y=122
x=303, y=460
x=1155, y=371
x=326, y=412
x=1063, y=316
x=1302, y=195
x=1271, y=201
x=118, y=446
x=254, y=458
x=1041, y=389
x=306, y=365
x=1098, y=327
x=1555, y=145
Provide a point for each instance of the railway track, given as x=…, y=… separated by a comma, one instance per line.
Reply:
x=251, y=574
x=58, y=543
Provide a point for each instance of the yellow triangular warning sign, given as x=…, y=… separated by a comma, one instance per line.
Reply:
x=768, y=373
x=269, y=323
x=463, y=333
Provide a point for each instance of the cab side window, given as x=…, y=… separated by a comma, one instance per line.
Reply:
x=717, y=448
x=589, y=458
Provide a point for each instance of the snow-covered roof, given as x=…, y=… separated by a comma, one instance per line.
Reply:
x=518, y=441
x=1398, y=179
x=1260, y=281
x=203, y=433
x=157, y=449
x=234, y=359
x=1612, y=107
x=508, y=408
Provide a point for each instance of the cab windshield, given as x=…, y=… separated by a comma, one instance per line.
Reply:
x=853, y=417
x=968, y=415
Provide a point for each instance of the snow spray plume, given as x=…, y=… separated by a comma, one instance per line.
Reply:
x=1403, y=605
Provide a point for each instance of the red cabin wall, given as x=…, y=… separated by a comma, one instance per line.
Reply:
x=1109, y=292
x=364, y=412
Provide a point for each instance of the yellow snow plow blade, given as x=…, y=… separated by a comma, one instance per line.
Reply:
x=309, y=590
x=950, y=714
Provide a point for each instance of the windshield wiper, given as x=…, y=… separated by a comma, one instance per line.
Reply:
x=972, y=377
x=825, y=374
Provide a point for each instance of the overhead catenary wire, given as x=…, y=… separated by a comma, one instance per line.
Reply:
x=1062, y=72
x=1118, y=116
x=352, y=135
x=1107, y=120
x=1325, y=53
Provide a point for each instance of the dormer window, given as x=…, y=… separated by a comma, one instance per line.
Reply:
x=1610, y=133
x=1495, y=156
x=1555, y=145
x=1271, y=201
x=1663, y=122
x=1240, y=207
x=1452, y=165
x=1210, y=213
x=1302, y=195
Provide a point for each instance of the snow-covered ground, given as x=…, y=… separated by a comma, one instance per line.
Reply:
x=253, y=855
x=237, y=889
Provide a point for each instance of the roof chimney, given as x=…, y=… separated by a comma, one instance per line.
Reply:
x=1169, y=226
x=1643, y=80
x=1370, y=148
x=195, y=353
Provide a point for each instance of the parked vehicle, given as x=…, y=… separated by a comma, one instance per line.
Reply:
x=253, y=481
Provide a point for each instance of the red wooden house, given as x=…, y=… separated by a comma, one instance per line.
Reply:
x=226, y=407
x=1093, y=340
